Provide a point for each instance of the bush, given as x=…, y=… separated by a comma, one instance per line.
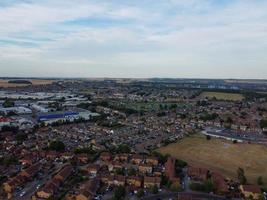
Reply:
x=260, y=181
x=57, y=146
x=119, y=193
x=8, y=103
x=155, y=189
x=207, y=186
x=140, y=193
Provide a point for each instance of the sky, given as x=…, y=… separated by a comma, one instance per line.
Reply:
x=134, y=38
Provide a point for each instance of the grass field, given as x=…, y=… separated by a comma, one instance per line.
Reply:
x=222, y=96
x=4, y=83
x=222, y=156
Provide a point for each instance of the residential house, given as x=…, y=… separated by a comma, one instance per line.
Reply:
x=151, y=182
x=250, y=191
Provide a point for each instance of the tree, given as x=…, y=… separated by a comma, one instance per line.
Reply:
x=155, y=189
x=207, y=186
x=57, y=146
x=8, y=103
x=241, y=176
x=263, y=123
x=140, y=193
x=259, y=180
x=123, y=148
x=119, y=193
x=176, y=187
x=131, y=172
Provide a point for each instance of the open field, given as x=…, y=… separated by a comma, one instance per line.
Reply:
x=222, y=156
x=4, y=82
x=222, y=96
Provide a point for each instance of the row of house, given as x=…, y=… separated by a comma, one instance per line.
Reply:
x=52, y=186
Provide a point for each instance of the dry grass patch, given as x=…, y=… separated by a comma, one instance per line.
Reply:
x=222, y=96
x=221, y=155
x=5, y=83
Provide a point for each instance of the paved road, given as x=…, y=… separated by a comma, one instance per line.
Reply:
x=174, y=195
x=31, y=187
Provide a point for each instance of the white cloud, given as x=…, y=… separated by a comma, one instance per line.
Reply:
x=161, y=38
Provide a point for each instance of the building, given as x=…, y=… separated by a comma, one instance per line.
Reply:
x=145, y=168
x=250, y=191
x=105, y=156
x=137, y=159
x=196, y=173
x=135, y=181
x=52, y=117
x=152, y=160
x=117, y=180
x=220, y=183
x=88, y=190
x=150, y=182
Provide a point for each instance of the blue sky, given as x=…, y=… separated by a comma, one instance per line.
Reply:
x=134, y=38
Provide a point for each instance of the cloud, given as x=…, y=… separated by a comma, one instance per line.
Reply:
x=114, y=38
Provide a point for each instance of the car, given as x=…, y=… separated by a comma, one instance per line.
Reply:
x=22, y=193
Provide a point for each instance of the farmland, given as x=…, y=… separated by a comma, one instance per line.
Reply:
x=221, y=155
x=5, y=82
x=222, y=96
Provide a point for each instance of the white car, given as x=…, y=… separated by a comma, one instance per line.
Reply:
x=22, y=193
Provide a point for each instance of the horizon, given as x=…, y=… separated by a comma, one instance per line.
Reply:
x=207, y=39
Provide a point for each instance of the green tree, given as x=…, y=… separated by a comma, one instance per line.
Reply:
x=8, y=103
x=119, y=193
x=140, y=193
x=131, y=172
x=123, y=148
x=57, y=146
x=263, y=123
x=241, y=176
x=155, y=189
x=259, y=180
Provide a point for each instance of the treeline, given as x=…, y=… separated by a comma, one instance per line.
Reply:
x=20, y=82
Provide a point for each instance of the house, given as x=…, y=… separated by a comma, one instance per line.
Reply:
x=220, y=183
x=83, y=158
x=114, y=166
x=92, y=169
x=11, y=184
x=196, y=173
x=116, y=180
x=152, y=160
x=64, y=173
x=30, y=172
x=145, y=168
x=137, y=159
x=88, y=190
x=121, y=157
x=105, y=156
x=21, y=178
x=50, y=188
x=135, y=181
x=67, y=155
x=104, y=179
x=170, y=169
x=250, y=190
x=151, y=182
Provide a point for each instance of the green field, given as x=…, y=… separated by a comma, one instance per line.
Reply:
x=222, y=96
x=222, y=156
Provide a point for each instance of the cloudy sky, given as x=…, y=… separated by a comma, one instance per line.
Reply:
x=134, y=38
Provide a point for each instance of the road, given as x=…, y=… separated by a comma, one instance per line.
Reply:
x=31, y=187
x=174, y=195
